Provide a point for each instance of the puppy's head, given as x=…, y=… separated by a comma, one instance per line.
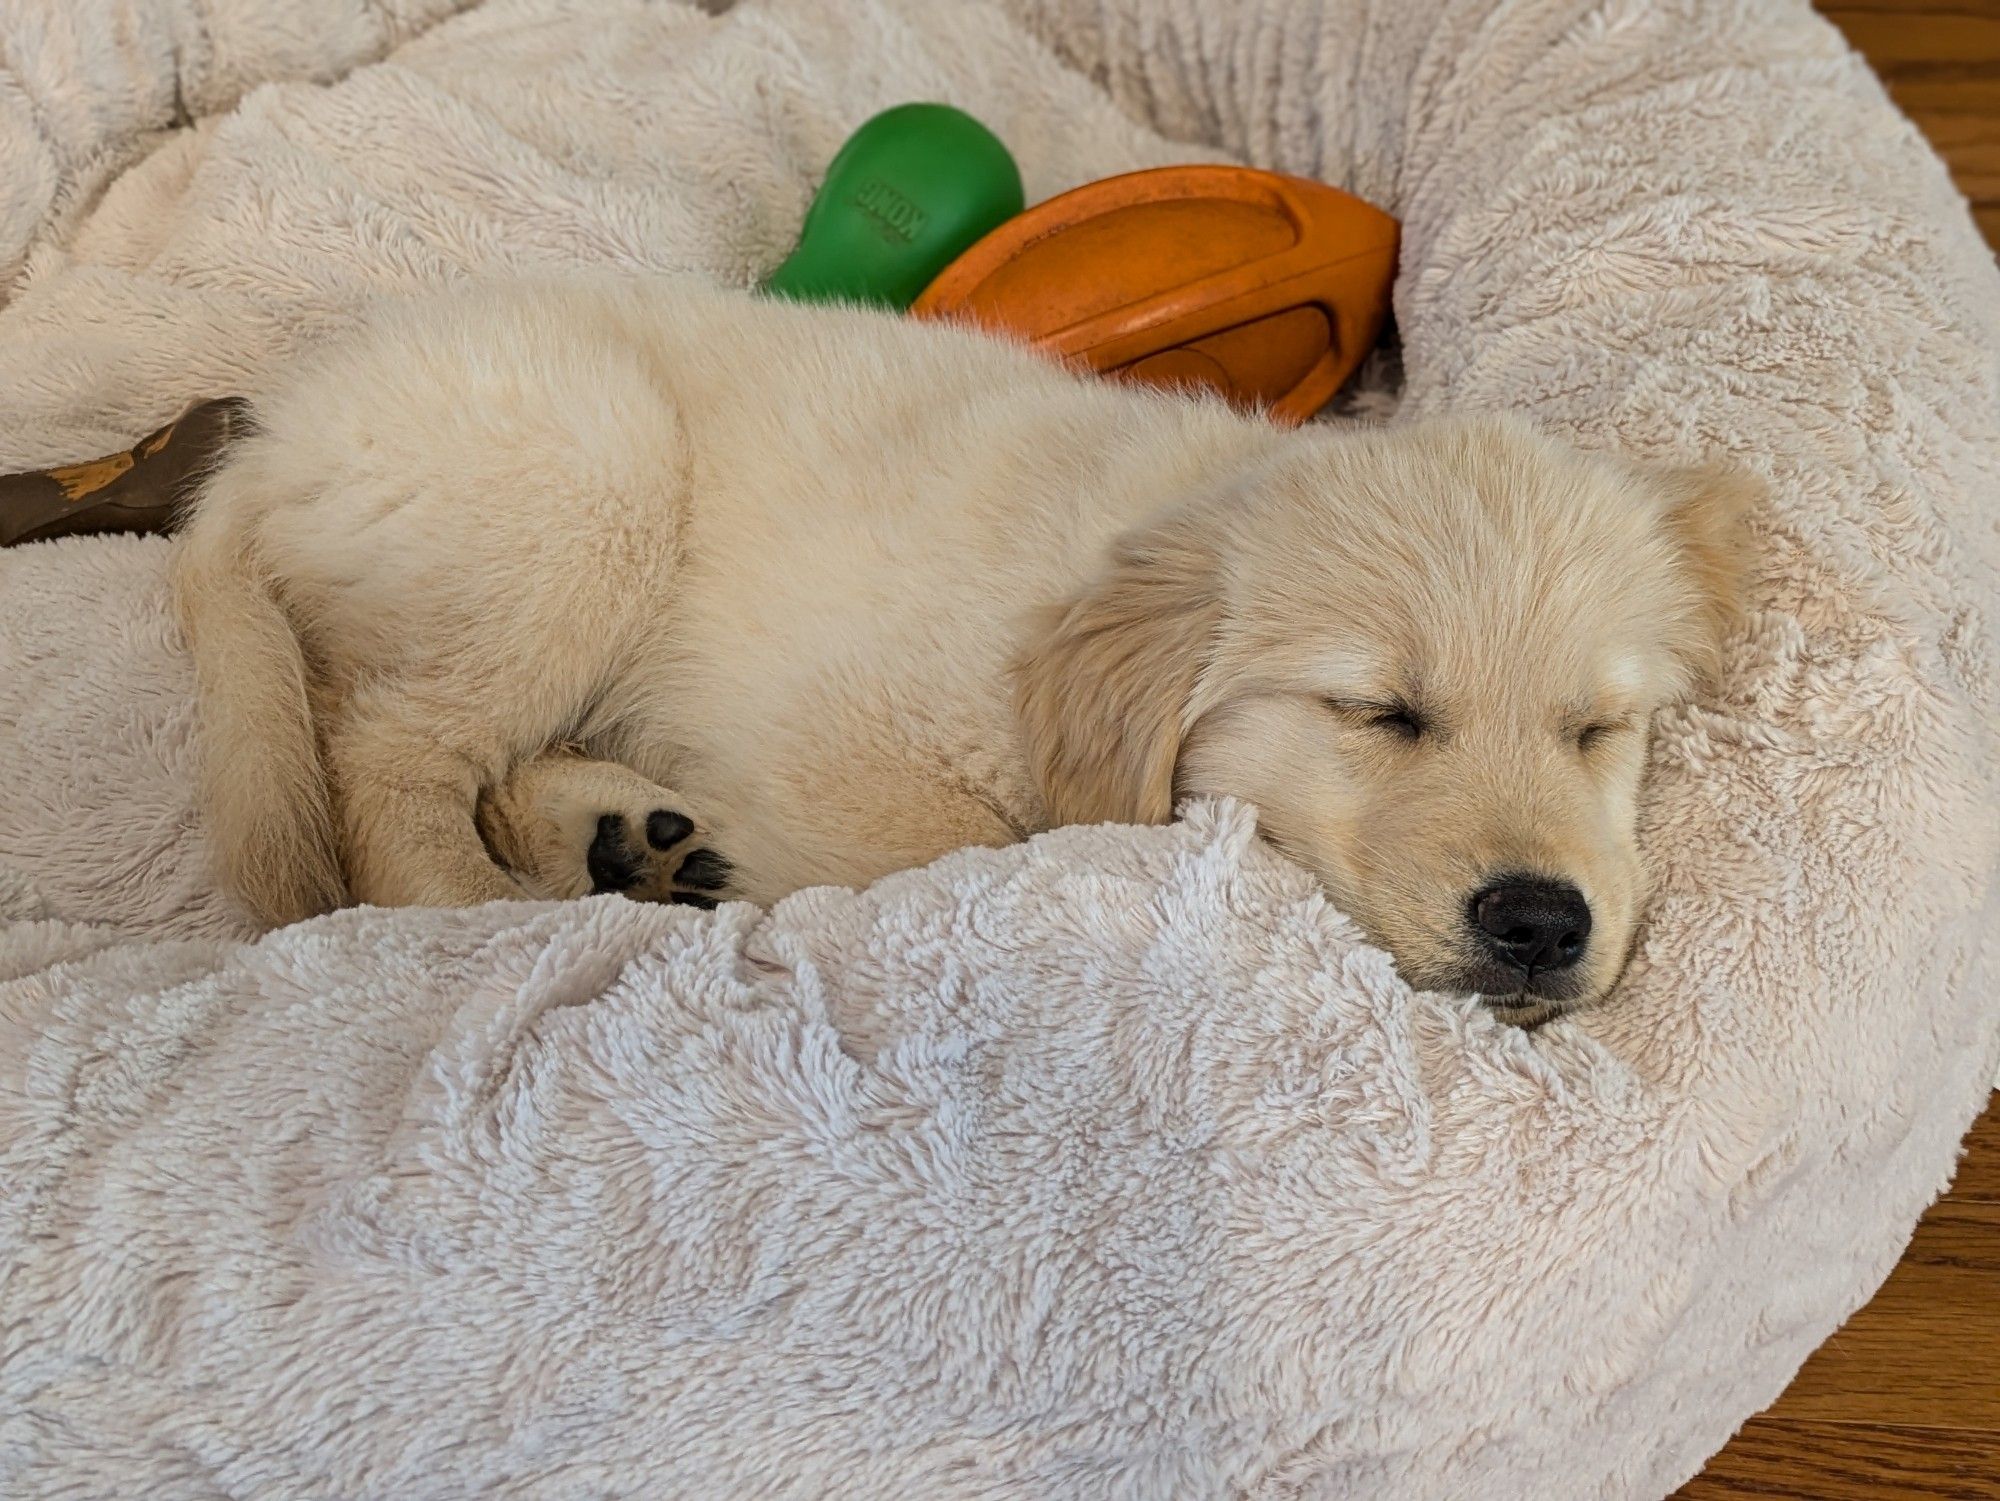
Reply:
x=1428, y=657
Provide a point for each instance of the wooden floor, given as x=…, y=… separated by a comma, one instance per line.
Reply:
x=1941, y=60
x=1903, y=1404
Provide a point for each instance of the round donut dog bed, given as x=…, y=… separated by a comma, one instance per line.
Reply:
x=1113, y=1164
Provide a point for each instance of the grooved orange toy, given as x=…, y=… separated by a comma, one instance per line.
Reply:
x=1270, y=289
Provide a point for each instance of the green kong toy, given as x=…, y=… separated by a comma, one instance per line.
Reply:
x=911, y=189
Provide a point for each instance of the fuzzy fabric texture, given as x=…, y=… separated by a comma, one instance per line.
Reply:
x=88, y=87
x=1112, y=1165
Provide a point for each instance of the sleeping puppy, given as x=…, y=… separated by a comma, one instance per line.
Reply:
x=611, y=584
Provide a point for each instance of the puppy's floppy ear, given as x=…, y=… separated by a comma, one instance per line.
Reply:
x=1705, y=514
x=1104, y=683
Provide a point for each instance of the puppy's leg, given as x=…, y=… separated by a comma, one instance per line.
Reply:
x=404, y=789
x=568, y=826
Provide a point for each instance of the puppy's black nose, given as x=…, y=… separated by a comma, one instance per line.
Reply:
x=1533, y=923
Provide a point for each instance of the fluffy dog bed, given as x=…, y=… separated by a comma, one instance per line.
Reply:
x=1110, y=1165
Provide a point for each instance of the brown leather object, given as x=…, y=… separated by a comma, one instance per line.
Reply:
x=1270, y=289
x=139, y=490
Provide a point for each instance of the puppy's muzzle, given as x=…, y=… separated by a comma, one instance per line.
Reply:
x=1531, y=929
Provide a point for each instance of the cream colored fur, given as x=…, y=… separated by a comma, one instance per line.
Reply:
x=553, y=551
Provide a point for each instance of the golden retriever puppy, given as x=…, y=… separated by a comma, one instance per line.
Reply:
x=609, y=584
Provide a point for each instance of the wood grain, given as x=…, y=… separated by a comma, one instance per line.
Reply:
x=1904, y=1401
x=1978, y=1175
x=1941, y=62
x=1778, y=1457
x=1926, y=1351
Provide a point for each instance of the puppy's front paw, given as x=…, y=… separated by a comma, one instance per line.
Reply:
x=655, y=859
x=569, y=826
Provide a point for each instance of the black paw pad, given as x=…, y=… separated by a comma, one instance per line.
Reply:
x=704, y=870
x=666, y=828
x=612, y=862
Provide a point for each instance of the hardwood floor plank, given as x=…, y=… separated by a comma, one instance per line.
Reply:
x=1926, y=1351
x=1779, y=1459
x=1933, y=95
x=1979, y=1170
x=1900, y=38
x=1941, y=62
x=1909, y=8
x=1970, y=146
x=1912, y=1380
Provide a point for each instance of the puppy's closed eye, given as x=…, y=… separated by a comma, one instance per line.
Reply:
x=1392, y=717
x=1592, y=734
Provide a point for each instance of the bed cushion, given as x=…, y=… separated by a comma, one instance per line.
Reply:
x=1110, y=1165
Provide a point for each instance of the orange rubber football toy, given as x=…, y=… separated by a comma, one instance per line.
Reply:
x=1267, y=288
